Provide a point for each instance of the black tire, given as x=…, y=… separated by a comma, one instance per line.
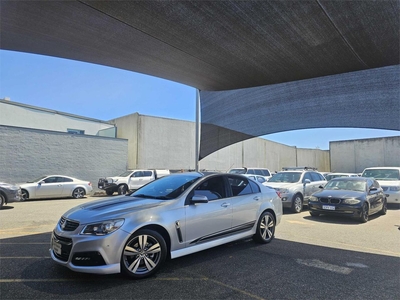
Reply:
x=297, y=203
x=109, y=192
x=364, y=213
x=314, y=214
x=265, y=228
x=383, y=211
x=143, y=254
x=2, y=200
x=78, y=193
x=24, y=195
x=122, y=189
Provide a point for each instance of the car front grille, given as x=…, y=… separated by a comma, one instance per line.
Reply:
x=68, y=225
x=330, y=200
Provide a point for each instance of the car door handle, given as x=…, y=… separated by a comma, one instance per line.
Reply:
x=256, y=198
x=225, y=204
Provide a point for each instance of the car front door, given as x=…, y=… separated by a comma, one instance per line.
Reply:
x=49, y=187
x=210, y=220
x=139, y=179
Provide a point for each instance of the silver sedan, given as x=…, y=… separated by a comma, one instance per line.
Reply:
x=171, y=217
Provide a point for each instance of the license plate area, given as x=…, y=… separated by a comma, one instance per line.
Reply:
x=328, y=207
x=56, y=247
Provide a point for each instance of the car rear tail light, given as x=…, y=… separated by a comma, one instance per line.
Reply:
x=278, y=193
x=89, y=183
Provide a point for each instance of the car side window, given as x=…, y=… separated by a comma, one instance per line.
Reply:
x=240, y=186
x=250, y=171
x=376, y=184
x=50, y=180
x=213, y=188
x=307, y=176
x=137, y=174
x=315, y=177
x=254, y=187
x=147, y=173
x=266, y=172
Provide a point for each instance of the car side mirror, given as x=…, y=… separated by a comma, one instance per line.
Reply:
x=307, y=181
x=373, y=189
x=199, y=199
x=321, y=187
x=40, y=182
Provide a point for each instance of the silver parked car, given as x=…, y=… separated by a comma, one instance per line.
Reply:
x=55, y=186
x=173, y=216
x=389, y=180
x=295, y=187
x=9, y=193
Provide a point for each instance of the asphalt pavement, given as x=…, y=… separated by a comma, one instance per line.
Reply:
x=310, y=258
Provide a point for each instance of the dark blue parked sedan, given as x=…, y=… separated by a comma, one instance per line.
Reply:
x=356, y=197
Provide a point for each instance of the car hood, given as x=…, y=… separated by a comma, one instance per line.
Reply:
x=111, y=208
x=339, y=194
x=280, y=184
x=8, y=186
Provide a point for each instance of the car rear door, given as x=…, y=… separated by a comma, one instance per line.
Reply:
x=246, y=201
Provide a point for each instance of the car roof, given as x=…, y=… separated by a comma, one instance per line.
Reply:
x=380, y=168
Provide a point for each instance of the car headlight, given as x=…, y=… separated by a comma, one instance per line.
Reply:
x=313, y=199
x=351, y=201
x=103, y=228
x=394, y=188
x=283, y=191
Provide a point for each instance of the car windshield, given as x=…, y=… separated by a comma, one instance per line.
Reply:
x=126, y=173
x=237, y=171
x=290, y=177
x=37, y=179
x=349, y=185
x=382, y=174
x=168, y=187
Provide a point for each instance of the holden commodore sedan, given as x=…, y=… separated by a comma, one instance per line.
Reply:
x=55, y=186
x=173, y=216
x=356, y=197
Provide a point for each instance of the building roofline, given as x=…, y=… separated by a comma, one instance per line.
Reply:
x=53, y=111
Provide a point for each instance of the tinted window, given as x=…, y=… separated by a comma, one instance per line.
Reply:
x=138, y=174
x=254, y=187
x=147, y=173
x=240, y=186
x=50, y=180
x=266, y=172
x=213, y=188
x=291, y=177
x=259, y=172
x=307, y=176
x=251, y=171
x=261, y=179
x=316, y=177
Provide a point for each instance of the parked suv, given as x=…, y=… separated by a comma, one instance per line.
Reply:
x=389, y=180
x=295, y=187
x=255, y=171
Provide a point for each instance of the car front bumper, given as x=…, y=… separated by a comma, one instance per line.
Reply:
x=343, y=210
x=287, y=200
x=88, y=253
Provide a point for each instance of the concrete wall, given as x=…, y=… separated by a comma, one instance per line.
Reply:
x=162, y=143
x=21, y=115
x=26, y=154
x=355, y=155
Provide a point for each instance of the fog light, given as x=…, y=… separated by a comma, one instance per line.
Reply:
x=284, y=198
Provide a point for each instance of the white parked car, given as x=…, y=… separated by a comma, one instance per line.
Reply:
x=55, y=186
x=295, y=187
x=253, y=171
x=389, y=180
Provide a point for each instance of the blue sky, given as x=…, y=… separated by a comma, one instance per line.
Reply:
x=105, y=93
